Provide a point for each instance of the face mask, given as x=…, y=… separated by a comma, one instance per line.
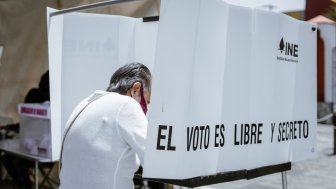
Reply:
x=143, y=101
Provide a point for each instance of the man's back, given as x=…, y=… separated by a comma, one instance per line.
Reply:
x=99, y=145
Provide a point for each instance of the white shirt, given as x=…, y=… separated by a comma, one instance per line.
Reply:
x=103, y=147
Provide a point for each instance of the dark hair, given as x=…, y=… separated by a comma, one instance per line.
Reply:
x=123, y=79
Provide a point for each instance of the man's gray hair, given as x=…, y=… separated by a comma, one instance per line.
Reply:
x=123, y=79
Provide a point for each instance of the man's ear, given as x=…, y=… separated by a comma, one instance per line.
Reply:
x=135, y=90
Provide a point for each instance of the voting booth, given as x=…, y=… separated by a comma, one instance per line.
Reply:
x=234, y=88
x=234, y=93
x=35, y=130
x=84, y=51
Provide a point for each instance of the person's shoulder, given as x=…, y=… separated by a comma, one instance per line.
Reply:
x=118, y=97
x=112, y=98
x=35, y=95
x=33, y=91
x=130, y=105
x=124, y=101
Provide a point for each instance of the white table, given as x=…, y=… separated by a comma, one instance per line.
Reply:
x=12, y=146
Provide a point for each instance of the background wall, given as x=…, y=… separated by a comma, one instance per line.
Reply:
x=316, y=7
x=23, y=33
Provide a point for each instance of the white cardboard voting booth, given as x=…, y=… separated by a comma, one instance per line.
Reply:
x=35, y=130
x=84, y=51
x=234, y=89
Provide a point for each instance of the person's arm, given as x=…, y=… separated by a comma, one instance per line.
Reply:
x=132, y=127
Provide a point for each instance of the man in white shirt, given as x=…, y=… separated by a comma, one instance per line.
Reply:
x=105, y=139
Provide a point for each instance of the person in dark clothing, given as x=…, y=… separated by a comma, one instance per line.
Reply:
x=34, y=95
x=16, y=167
x=40, y=94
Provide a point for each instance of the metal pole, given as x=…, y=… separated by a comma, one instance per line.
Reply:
x=334, y=125
x=333, y=71
x=36, y=174
x=284, y=179
x=334, y=140
x=89, y=6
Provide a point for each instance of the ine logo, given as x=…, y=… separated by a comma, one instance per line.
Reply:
x=289, y=49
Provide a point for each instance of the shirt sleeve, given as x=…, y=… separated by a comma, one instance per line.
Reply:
x=132, y=126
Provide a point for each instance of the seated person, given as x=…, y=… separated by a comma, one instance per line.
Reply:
x=16, y=167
